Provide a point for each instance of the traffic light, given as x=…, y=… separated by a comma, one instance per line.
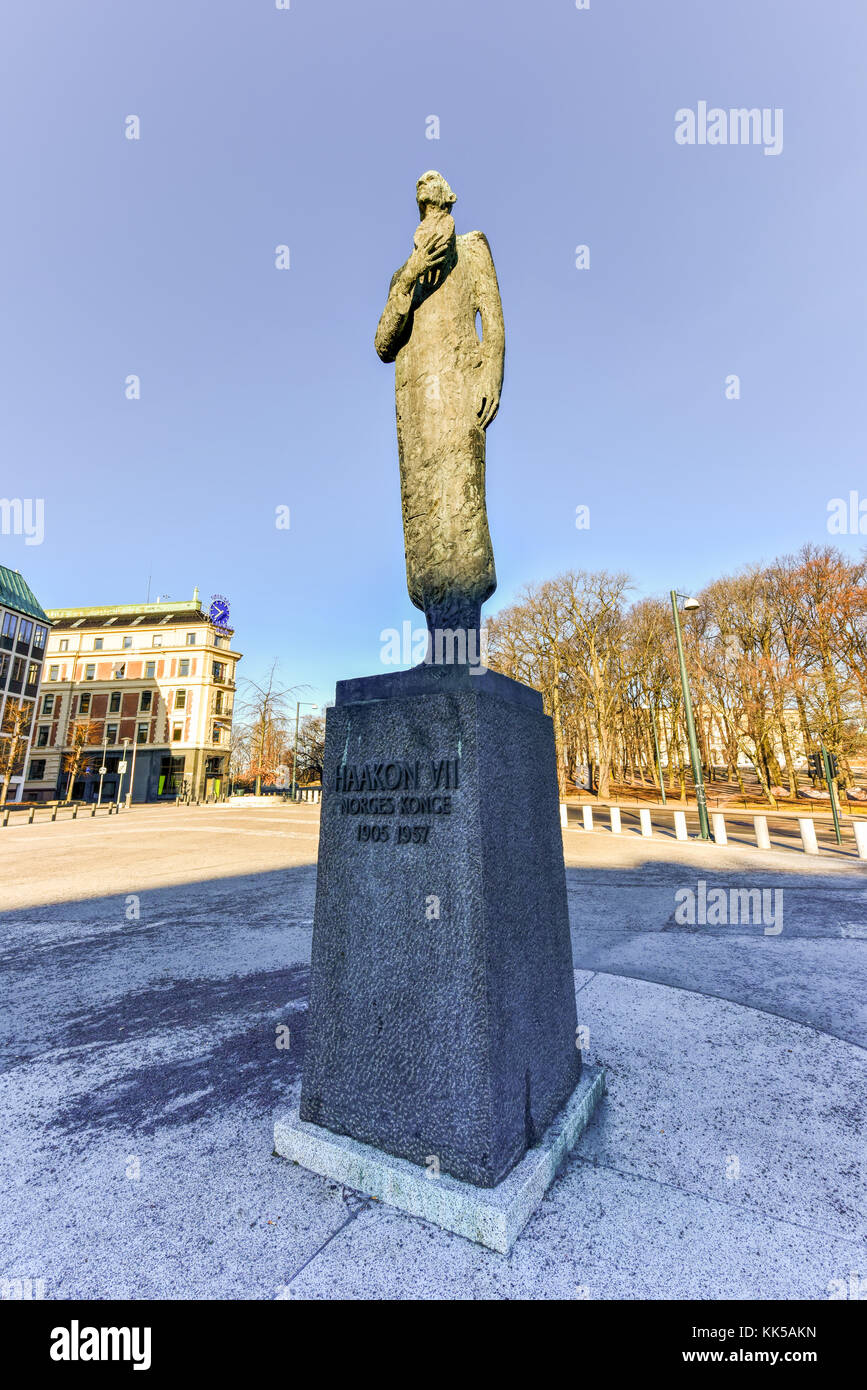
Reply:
x=814, y=763
x=833, y=765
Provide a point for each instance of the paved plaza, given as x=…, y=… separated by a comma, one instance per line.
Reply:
x=154, y=960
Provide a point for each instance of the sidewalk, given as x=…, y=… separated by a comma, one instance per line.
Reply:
x=141, y=1079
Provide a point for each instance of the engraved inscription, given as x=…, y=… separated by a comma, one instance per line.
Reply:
x=425, y=789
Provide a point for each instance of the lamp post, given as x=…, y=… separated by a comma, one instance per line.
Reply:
x=102, y=768
x=132, y=772
x=298, y=705
x=121, y=770
x=689, y=606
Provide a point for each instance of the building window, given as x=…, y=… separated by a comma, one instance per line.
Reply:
x=89, y=672
x=127, y=643
x=97, y=643
x=141, y=735
x=120, y=671
x=218, y=670
x=150, y=670
x=53, y=672
x=191, y=639
x=218, y=702
x=47, y=704
x=39, y=637
x=18, y=669
x=25, y=631
x=37, y=769
x=114, y=702
x=171, y=776
x=10, y=622
x=64, y=644
x=33, y=673
x=42, y=736
x=157, y=640
x=177, y=733
x=111, y=733
x=4, y=666
x=180, y=699
x=84, y=704
x=217, y=734
x=183, y=667
x=145, y=702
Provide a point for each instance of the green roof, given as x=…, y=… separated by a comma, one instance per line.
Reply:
x=15, y=593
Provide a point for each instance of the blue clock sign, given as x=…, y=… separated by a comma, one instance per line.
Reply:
x=219, y=611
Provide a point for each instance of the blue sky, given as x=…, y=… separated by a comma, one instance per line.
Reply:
x=260, y=388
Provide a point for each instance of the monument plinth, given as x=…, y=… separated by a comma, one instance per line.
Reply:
x=441, y=1039
x=442, y=1015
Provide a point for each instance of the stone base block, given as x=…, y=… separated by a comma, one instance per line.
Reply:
x=491, y=1216
x=442, y=1005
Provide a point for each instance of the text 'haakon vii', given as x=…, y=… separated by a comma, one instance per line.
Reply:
x=440, y=775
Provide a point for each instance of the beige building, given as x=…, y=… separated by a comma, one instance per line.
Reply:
x=138, y=698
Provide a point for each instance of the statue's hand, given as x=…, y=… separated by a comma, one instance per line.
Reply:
x=430, y=252
x=488, y=396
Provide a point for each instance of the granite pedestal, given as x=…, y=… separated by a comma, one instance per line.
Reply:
x=442, y=1025
x=492, y=1216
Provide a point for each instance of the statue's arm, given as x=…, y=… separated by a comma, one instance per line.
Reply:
x=490, y=308
x=430, y=251
x=391, y=331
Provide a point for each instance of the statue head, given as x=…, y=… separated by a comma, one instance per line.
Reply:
x=433, y=190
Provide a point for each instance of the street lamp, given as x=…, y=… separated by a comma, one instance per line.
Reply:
x=298, y=706
x=132, y=772
x=689, y=606
x=121, y=770
x=103, y=769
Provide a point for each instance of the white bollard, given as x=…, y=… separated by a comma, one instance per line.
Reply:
x=614, y=813
x=860, y=828
x=808, y=834
x=763, y=839
x=564, y=815
x=719, y=828
x=680, y=825
x=646, y=823
x=587, y=813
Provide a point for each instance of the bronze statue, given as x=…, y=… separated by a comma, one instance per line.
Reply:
x=448, y=379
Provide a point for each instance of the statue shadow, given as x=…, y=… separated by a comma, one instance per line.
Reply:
x=151, y=1040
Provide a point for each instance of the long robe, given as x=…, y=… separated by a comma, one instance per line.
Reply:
x=440, y=365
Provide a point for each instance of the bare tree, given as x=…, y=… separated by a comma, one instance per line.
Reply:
x=15, y=736
x=776, y=659
x=311, y=748
x=265, y=719
x=83, y=734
